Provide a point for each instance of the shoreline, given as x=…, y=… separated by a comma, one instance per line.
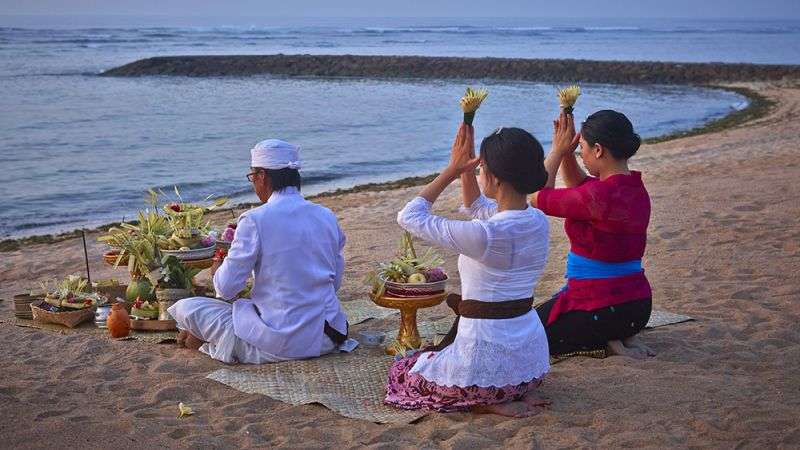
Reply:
x=759, y=106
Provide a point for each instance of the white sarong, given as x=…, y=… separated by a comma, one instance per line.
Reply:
x=211, y=320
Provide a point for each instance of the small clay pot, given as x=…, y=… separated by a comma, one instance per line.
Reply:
x=119, y=322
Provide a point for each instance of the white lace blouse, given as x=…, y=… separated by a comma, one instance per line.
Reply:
x=502, y=256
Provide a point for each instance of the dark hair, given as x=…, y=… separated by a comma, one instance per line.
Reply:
x=513, y=155
x=280, y=179
x=613, y=131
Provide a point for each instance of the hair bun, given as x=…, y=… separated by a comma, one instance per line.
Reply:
x=513, y=155
x=612, y=130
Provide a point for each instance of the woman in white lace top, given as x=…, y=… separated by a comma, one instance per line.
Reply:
x=499, y=354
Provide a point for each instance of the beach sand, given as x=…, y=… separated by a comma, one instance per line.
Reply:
x=724, y=247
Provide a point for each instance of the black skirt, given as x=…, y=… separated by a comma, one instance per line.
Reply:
x=575, y=331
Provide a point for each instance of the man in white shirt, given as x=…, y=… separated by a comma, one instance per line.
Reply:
x=293, y=249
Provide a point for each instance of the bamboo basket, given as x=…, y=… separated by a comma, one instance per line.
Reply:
x=69, y=319
x=22, y=305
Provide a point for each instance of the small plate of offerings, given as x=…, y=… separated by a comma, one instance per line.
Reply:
x=73, y=293
x=190, y=239
x=145, y=317
x=69, y=303
x=144, y=310
x=203, y=249
x=409, y=275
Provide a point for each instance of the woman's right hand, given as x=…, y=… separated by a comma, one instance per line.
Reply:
x=565, y=140
x=462, y=155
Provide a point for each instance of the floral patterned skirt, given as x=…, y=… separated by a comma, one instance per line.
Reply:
x=411, y=391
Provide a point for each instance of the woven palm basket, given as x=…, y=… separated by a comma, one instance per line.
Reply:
x=69, y=319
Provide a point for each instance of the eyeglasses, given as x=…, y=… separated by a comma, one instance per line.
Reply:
x=252, y=174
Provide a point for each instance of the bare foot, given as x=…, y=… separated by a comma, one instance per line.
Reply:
x=635, y=342
x=517, y=409
x=617, y=348
x=181, y=340
x=193, y=342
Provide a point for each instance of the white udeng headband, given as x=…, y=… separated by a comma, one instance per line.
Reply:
x=275, y=154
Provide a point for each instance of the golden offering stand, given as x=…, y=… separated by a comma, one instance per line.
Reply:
x=408, y=336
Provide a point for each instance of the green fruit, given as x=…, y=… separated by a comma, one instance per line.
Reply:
x=147, y=313
x=416, y=278
x=140, y=288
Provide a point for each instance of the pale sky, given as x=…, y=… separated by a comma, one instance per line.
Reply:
x=701, y=9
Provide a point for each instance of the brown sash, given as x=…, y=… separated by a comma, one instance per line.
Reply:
x=476, y=309
x=333, y=333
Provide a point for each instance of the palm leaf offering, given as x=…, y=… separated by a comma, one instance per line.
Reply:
x=181, y=226
x=186, y=219
x=407, y=267
x=470, y=103
x=567, y=98
x=139, y=242
x=71, y=293
x=173, y=275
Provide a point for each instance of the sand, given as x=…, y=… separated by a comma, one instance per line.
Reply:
x=724, y=247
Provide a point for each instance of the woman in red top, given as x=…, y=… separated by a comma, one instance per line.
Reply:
x=607, y=299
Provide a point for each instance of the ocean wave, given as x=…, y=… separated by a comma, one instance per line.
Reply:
x=406, y=41
x=91, y=41
x=313, y=178
x=162, y=35
x=42, y=223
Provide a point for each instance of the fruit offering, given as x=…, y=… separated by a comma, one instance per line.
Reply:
x=144, y=309
x=72, y=293
x=186, y=219
x=408, y=268
x=227, y=235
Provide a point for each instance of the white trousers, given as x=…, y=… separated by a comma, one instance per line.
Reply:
x=211, y=320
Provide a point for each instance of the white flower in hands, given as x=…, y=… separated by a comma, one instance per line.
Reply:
x=462, y=155
x=567, y=98
x=470, y=103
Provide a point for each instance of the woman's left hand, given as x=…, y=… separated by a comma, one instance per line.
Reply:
x=565, y=139
x=462, y=155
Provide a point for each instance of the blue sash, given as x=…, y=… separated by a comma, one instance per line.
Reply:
x=582, y=268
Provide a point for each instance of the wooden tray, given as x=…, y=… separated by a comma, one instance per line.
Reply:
x=153, y=325
x=198, y=263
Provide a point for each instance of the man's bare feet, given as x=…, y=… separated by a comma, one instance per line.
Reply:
x=635, y=342
x=181, y=340
x=517, y=409
x=192, y=342
x=618, y=348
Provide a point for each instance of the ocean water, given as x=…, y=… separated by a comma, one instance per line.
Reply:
x=79, y=150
